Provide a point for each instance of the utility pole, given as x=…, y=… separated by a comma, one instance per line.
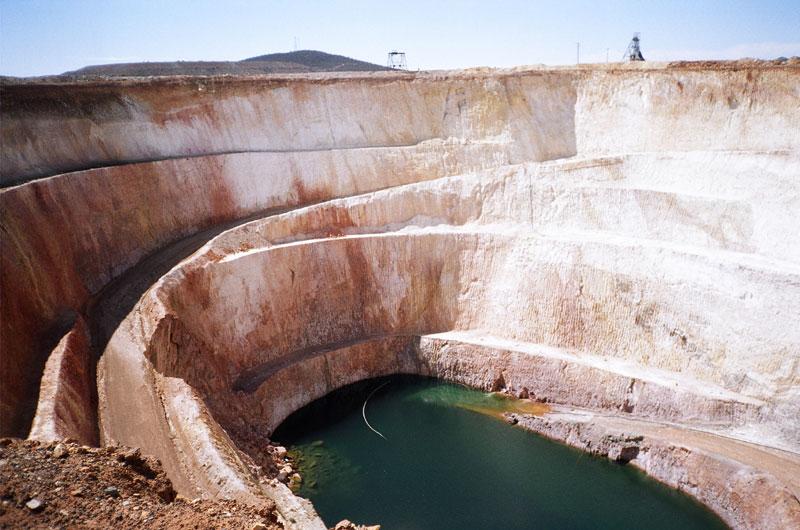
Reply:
x=579, y=53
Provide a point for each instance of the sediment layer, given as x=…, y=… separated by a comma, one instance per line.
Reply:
x=617, y=239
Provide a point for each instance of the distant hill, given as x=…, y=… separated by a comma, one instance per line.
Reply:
x=317, y=61
x=302, y=61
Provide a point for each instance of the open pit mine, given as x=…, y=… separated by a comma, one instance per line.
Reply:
x=188, y=260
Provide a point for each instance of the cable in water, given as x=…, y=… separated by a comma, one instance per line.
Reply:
x=364, y=410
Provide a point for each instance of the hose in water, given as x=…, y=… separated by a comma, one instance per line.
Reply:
x=364, y=410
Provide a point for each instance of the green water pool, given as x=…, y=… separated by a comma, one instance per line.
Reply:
x=447, y=463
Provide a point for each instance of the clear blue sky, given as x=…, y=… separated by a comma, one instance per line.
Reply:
x=39, y=37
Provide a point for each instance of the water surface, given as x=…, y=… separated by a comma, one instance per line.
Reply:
x=447, y=462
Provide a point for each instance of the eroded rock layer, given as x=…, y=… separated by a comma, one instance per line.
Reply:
x=618, y=239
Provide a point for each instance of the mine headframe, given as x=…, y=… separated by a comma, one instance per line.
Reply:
x=633, y=53
x=396, y=60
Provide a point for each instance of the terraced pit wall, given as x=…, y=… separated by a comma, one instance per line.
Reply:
x=617, y=238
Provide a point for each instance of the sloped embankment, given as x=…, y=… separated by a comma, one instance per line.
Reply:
x=618, y=239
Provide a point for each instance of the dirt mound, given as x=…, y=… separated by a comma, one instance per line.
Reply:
x=736, y=64
x=66, y=485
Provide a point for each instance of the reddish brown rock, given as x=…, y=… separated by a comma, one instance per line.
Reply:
x=67, y=400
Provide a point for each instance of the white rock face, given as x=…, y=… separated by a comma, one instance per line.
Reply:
x=581, y=295
x=619, y=239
